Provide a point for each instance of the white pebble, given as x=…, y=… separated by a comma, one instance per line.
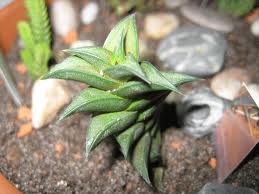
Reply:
x=89, y=13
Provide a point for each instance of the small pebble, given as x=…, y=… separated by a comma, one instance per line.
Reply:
x=159, y=25
x=24, y=130
x=64, y=17
x=48, y=97
x=228, y=83
x=255, y=27
x=89, y=13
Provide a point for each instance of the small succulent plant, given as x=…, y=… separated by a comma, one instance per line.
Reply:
x=124, y=94
x=36, y=38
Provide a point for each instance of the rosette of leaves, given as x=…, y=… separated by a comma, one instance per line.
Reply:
x=124, y=94
x=36, y=38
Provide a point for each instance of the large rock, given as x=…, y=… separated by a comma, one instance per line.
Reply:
x=216, y=188
x=200, y=110
x=207, y=18
x=63, y=17
x=159, y=25
x=48, y=97
x=193, y=50
x=89, y=13
x=228, y=83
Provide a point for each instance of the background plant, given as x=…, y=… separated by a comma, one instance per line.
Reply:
x=36, y=38
x=124, y=96
x=123, y=7
x=236, y=7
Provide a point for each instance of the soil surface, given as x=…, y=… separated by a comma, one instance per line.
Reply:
x=52, y=160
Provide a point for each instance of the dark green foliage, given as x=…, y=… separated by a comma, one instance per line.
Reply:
x=36, y=38
x=236, y=7
x=124, y=94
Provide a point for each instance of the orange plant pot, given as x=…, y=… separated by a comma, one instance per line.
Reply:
x=10, y=15
x=6, y=187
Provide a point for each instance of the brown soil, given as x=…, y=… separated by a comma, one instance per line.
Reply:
x=52, y=160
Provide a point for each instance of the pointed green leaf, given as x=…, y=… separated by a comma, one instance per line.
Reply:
x=119, y=53
x=150, y=124
x=26, y=35
x=128, y=68
x=105, y=125
x=155, y=147
x=178, y=79
x=128, y=137
x=158, y=173
x=94, y=100
x=138, y=105
x=132, y=40
x=158, y=81
x=131, y=37
x=132, y=89
x=77, y=69
x=99, y=57
x=147, y=114
x=140, y=156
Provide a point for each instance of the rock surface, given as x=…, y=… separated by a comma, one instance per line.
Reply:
x=200, y=111
x=89, y=13
x=175, y=3
x=48, y=97
x=216, y=188
x=193, y=50
x=82, y=43
x=63, y=17
x=228, y=83
x=207, y=18
x=159, y=25
x=255, y=27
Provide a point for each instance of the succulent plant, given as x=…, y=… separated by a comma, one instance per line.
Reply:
x=36, y=38
x=124, y=94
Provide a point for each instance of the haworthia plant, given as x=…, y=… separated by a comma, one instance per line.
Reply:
x=36, y=38
x=124, y=94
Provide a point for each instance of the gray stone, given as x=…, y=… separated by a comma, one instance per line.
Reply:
x=200, y=110
x=193, y=50
x=207, y=18
x=216, y=188
x=175, y=3
x=159, y=25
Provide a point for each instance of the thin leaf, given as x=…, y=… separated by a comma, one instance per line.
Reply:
x=77, y=69
x=105, y=125
x=155, y=147
x=132, y=89
x=94, y=100
x=138, y=105
x=158, y=173
x=147, y=114
x=119, y=53
x=158, y=81
x=99, y=57
x=140, y=156
x=130, y=67
x=26, y=35
x=128, y=137
x=131, y=37
x=178, y=79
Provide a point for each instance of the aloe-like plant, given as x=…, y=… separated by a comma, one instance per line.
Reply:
x=124, y=96
x=36, y=38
